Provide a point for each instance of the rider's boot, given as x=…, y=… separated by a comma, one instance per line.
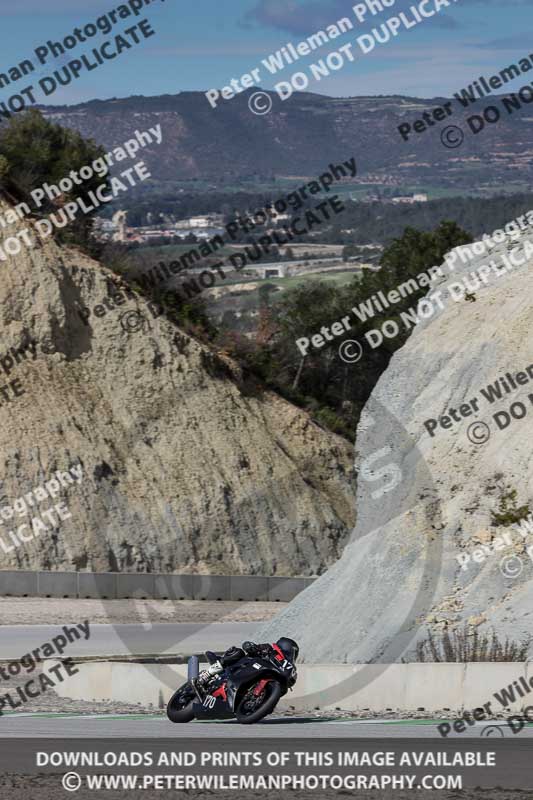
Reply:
x=204, y=677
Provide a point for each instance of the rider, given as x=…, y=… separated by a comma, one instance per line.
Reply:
x=283, y=648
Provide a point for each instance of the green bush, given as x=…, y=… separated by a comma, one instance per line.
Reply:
x=332, y=421
x=34, y=151
x=463, y=646
x=509, y=513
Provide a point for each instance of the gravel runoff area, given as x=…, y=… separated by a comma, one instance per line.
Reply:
x=52, y=611
x=50, y=702
x=16, y=787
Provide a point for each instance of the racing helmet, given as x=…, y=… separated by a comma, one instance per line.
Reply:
x=289, y=648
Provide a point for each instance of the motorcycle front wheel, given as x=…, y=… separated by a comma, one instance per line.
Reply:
x=179, y=708
x=254, y=707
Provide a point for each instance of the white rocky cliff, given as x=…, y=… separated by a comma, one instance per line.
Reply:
x=183, y=471
x=436, y=543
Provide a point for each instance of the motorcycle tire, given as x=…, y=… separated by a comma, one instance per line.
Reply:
x=179, y=708
x=266, y=707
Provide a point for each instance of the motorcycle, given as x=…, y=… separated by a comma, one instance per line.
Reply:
x=248, y=690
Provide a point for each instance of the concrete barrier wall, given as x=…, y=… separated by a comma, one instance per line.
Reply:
x=448, y=688
x=116, y=585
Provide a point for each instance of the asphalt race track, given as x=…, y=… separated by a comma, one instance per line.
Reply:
x=187, y=638
x=277, y=726
x=137, y=639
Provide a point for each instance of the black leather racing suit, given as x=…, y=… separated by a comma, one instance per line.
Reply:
x=234, y=654
x=231, y=656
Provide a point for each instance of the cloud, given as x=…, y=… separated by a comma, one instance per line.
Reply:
x=305, y=17
x=295, y=17
x=27, y=7
x=507, y=42
x=496, y=3
x=220, y=49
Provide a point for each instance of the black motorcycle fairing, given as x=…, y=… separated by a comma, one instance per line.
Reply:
x=218, y=699
x=225, y=691
x=250, y=670
x=222, y=696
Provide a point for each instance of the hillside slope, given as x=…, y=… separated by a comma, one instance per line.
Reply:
x=405, y=571
x=182, y=470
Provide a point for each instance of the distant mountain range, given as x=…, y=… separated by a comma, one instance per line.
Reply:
x=300, y=136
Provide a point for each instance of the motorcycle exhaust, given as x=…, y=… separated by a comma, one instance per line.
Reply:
x=193, y=668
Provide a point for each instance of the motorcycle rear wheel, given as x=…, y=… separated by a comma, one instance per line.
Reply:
x=247, y=714
x=179, y=708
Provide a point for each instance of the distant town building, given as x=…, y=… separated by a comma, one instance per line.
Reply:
x=415, y=198
x=269, y=271
x=204, y=221
x=276, y=216
x=205, y=227
x=152, y=234
x=119, y=221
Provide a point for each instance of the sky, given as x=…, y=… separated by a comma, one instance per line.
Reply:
x=203, y=44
